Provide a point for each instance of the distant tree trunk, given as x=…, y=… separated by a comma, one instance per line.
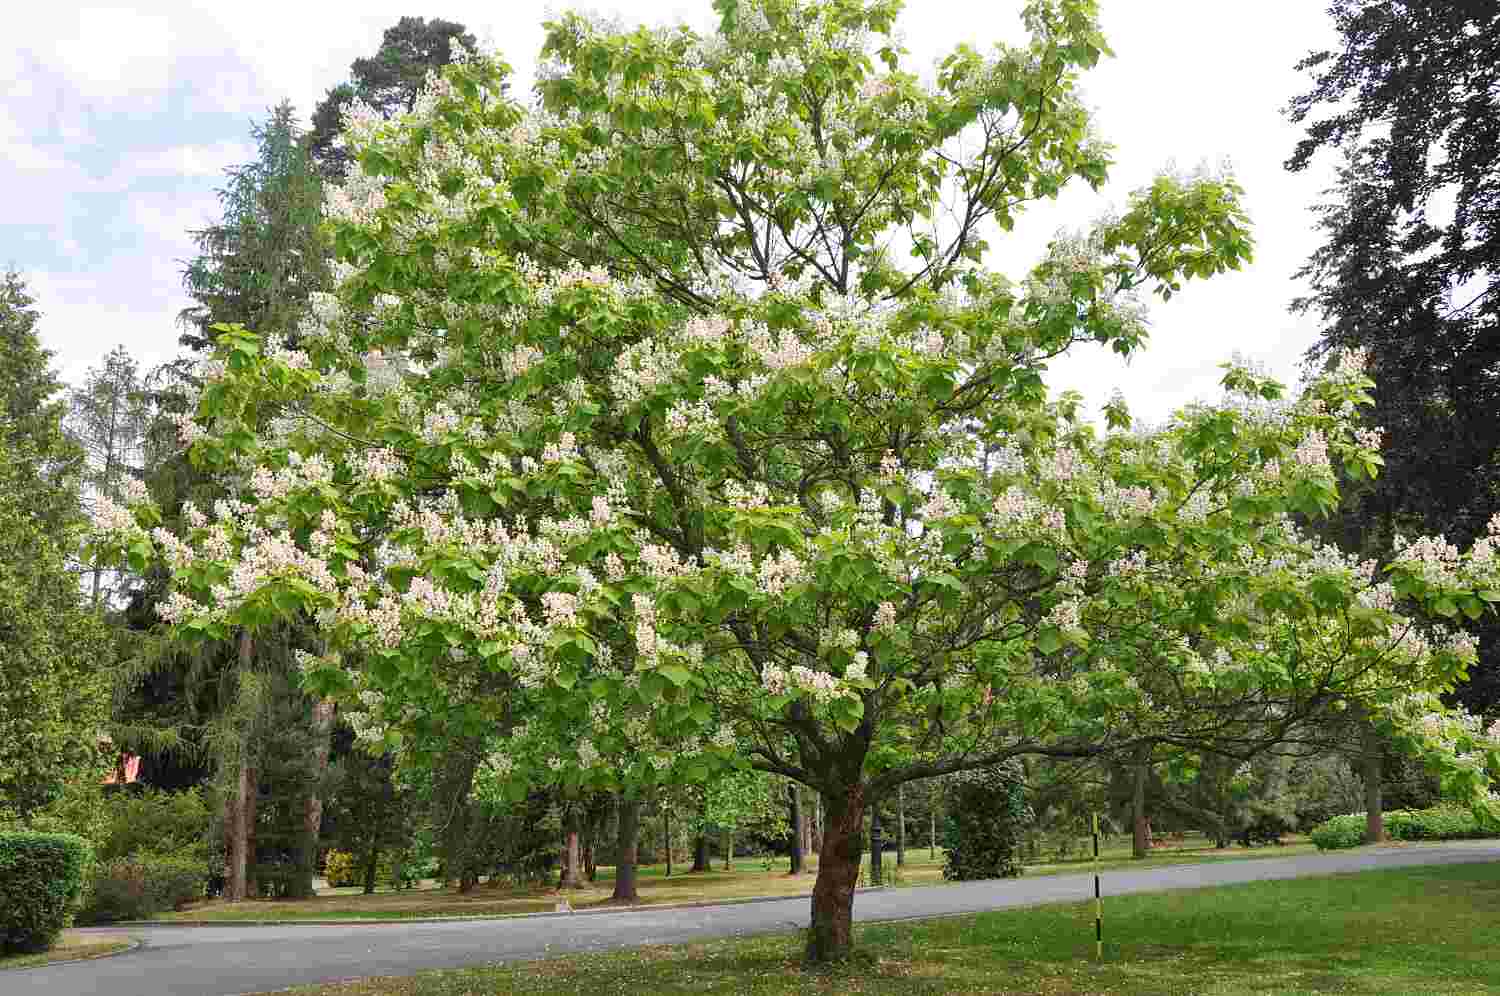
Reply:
x=877, y=859
x=571, y=856
x=818, y=822
x=729, y=849
x=372, y=865
x=628, y=845
x=794, y=802
x=666, y=836
x=700, y=853
x=932, y=800
x=807, y=827
x=252, y=816
x=590, y=869
x=1141, y=837
x=312, y=808
x=900, y=826
x=235, y=808
x=235, y=838
x=1372, y=775
x=830, y=936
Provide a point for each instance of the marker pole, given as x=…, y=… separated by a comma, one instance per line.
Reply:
x=1098, y=902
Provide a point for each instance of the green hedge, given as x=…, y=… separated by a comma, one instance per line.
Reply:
x=141, y=885
x=1441, y=823
x=41, y=880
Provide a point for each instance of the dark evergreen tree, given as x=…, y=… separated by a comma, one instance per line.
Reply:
x=1409, y=266
x=388, y=81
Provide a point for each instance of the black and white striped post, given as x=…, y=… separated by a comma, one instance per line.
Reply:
x=1098, y=900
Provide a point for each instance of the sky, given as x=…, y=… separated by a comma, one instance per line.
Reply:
x=118, y=121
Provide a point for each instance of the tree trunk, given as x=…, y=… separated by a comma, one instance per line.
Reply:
x=252, y=861
x=877, y=858
x=1372, y=775
x=700, y=853
x=628, y=843
x=794, y=800
x=818, y=822
x=807, y=827
x=312, y=807
x=590, y=869
x=666, y=836
x=372, y=864
x=830, y=936
x=236, y=851
x=932, y=797
x=570, y=878
x=900, y=826
x=1141, y=836
x=234, y=836
x=729, y=850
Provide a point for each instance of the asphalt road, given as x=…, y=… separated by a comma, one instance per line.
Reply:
x=227, y=960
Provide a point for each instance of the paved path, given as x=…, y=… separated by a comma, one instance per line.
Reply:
x=221, y=961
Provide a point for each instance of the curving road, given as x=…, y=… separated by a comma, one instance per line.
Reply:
x=228, y=960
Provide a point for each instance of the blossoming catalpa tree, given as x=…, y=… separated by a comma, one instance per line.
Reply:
x=680, y=409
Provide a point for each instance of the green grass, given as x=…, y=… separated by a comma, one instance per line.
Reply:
x=750, y=877
x=71, y=946
x=1420, y=931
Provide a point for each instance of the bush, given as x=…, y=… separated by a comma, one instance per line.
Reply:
x=1440, y=823
x=144, y=884
x=1338, y=832
x=987, y=818
x=340, y=869
x=41, y=880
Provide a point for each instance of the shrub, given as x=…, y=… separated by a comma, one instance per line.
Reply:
x=1440, y=823
x=144, y=884
x=341, y=869
x=41, y=879
x=1338, y=832
x=987, y=818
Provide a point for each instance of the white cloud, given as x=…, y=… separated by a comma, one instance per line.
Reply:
x=195, y=161
x=111, y=51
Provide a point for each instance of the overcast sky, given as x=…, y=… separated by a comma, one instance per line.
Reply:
x=118, y=121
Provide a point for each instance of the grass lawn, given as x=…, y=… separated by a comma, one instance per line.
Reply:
x=68, y=947
x=1419, y=931
x=750, y=877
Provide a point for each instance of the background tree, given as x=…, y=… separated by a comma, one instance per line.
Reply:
x=54, y=682
x=32, y=409
x=110, y=417
x=1409, y=266
x=388, y=82
x=262, y=260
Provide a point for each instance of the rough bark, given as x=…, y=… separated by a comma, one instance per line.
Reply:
x=900, y=826
x=700, y=853
x=312, y=807
x=237, y=844
x=571, y=863
x=794, y=801
x=251, y=817
x=1372, y=776
x=628, y=841
x=234, y=837
x=830, y=936
x=1141, y=830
